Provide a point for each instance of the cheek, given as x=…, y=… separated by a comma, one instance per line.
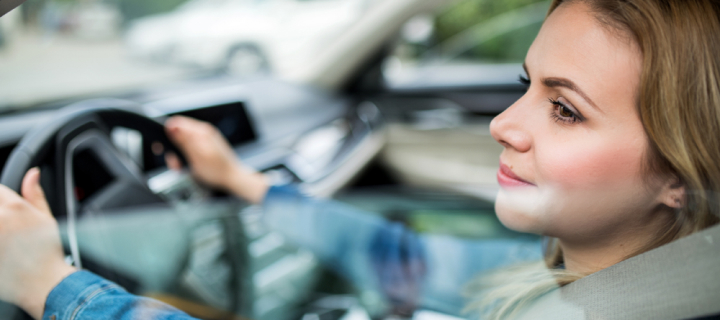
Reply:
x=589, y=164
x=594, y=186
x=584, y=186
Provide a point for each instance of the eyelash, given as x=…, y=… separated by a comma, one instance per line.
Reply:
x=524, y=80
x=558, y=106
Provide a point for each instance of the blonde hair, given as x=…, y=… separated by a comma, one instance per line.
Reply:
x=679, y=107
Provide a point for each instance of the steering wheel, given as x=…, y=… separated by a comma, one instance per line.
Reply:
x=86, y=127
x=80, y=127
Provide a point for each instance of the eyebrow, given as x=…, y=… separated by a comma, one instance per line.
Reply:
x=554, y=82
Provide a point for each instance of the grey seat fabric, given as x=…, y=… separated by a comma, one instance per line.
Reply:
x=680, y=280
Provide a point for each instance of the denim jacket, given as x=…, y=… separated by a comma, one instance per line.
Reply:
x=427, y=271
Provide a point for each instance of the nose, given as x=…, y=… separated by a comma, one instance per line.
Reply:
x=510, y=128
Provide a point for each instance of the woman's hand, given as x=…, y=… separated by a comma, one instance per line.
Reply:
x=212, y=160
x=31, y=256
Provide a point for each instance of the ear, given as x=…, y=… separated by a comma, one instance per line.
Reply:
x=672, y=193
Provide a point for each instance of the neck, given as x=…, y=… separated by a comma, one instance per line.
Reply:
x=584, y=260
x=587, y=257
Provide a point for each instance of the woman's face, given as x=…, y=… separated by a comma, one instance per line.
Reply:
x=572, y=167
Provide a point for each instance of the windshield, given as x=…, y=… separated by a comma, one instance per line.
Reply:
x=56, y=49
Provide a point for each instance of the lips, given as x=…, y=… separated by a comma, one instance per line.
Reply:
x=508, y=179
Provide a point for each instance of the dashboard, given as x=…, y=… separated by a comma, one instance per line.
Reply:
x=301, y=134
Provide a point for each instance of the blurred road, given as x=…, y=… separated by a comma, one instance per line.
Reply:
x=36, y=68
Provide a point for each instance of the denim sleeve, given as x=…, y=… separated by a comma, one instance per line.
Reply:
x=85, y=296
x=411, y=270
x=336, y=233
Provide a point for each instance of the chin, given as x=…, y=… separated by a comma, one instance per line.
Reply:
x=521, y=210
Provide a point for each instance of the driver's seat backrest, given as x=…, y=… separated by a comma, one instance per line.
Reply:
x=680, y=280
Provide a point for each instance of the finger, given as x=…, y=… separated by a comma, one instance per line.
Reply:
x=173, y=126
x=33, y=192
x=172, y=161
x=179, y=129
x=180, y=120
x=182, y=124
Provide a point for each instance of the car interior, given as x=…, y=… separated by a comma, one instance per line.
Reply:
x=340, y=127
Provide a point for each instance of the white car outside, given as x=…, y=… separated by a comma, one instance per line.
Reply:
x=244, y=36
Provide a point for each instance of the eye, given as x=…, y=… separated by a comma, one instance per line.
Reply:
x=563, y=112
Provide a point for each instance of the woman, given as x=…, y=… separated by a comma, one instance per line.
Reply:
x=612, y=151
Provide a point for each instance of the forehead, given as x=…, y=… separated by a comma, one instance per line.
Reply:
x=573, y=44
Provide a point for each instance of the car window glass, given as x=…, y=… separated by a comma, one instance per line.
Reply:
x=465, y=33
x=60, y=49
